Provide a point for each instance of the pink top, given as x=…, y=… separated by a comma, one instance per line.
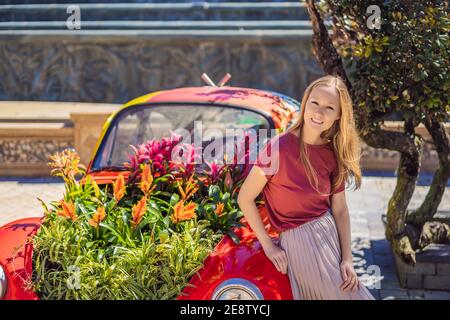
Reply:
x=289, y=197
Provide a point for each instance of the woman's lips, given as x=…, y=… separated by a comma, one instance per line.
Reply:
x=316, y=122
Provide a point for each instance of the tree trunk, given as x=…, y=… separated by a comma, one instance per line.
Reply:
x=407, y=173
x=436, y=191
x=323, y=48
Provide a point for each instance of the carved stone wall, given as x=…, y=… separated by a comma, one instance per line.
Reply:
x=115, y=69
x=25, y=150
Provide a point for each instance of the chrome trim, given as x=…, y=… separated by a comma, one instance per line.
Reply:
x=3, y=282
x=240, y=284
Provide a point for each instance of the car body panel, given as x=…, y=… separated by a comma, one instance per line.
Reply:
x=244, y=261
x=15, y=256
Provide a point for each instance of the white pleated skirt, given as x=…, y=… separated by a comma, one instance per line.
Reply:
x=314, y=256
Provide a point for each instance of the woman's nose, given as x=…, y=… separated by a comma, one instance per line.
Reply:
x=318, y=114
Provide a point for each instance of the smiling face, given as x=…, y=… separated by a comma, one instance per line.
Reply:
x=322, y=108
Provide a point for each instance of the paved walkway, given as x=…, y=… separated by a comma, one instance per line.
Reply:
x=18, y=199
x=370, y=247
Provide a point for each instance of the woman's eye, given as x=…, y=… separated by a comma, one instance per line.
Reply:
x=314, y=102
x=330, y=108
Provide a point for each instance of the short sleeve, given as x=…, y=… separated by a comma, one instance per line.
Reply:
x=334, y=177
x=268, y=158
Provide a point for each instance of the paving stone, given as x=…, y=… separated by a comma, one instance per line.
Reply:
x=436, y=295
x=390, y=285
x=416, y=294
x=19, y=200
x=393, y=294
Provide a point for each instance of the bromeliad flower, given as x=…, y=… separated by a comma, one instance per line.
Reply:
x=158, y=153
x=66, y=164
x=183, y=212
x=119, y=187
x=190, y=189
x=146, y=180
x=98, y=217
x=214, y=171
x=243, y=160
x=185, y=159
x=228, y=181
x=96, y=188
x=138, y=211
x=219, y=209
x=67, y=210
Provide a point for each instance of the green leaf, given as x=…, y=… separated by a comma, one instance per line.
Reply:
x=234, y=237
x=225, y=197
x=163, y=236
x=174, y=199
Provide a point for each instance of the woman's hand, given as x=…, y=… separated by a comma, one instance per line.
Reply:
x=349, y=277
x=277, y=256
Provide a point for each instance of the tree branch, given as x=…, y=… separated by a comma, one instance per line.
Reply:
x=429, y=206
x=323, y=48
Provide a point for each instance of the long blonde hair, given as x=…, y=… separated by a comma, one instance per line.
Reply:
x=343, y=133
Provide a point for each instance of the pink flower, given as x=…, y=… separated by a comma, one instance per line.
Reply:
x=214, y=171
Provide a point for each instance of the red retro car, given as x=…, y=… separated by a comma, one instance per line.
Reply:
x=231, y=271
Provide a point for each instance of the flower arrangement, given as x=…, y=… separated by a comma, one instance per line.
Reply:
x=144, y=236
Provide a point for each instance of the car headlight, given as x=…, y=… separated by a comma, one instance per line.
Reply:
x=237, y=289
x=3, y=282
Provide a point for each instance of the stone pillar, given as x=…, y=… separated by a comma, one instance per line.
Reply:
x=87, y=130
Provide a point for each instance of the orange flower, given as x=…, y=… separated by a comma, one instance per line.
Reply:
x=66, y=164
x=68, y=210
x=183, y=212
x=219, y=208
x=138, y=211
x=189, y=191
x=146, y=180
x=119, y=187
x=98, y=217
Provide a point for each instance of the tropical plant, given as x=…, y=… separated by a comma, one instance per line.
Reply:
x=144, y=236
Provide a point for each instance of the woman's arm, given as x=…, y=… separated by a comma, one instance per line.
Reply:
x=250, y=189
x=342, y=218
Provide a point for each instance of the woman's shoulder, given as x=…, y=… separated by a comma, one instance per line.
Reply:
x=279, y=142
x=285, y=137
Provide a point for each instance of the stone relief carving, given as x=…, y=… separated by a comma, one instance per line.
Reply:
x=98, y=70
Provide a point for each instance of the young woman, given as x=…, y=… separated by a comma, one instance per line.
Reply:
x=305, y=195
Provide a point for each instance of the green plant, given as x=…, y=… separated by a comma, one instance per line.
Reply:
x=139, y=238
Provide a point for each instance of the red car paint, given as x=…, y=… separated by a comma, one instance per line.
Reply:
x=15, y=257
x=246, y=260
